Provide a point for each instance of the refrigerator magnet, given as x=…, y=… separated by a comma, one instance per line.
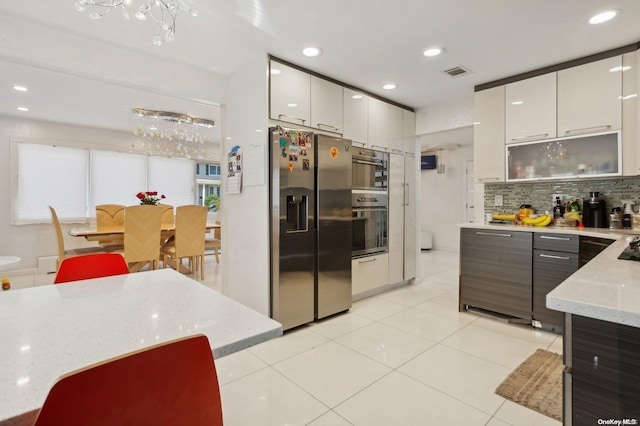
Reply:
x=333, y=152
x=290, y=167
x=305, y=164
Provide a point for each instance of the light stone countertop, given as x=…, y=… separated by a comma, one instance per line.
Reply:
x=52, y=330
x=606, y=288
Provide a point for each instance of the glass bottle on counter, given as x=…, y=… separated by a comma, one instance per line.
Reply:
x=558, y=209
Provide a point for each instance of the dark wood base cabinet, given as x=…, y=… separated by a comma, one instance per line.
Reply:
x=604, y=372
x=495, y=271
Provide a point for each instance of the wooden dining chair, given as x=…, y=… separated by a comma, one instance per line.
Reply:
x=110, y=216
x=91, y=266
x=191, y=226
x=167, y=220
x=214, y=242
x=66, y=253
x=173, y=383
x=142, y=236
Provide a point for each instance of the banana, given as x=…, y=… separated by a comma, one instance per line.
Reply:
x=504, y=216
x=573, y=215
x=546, y=220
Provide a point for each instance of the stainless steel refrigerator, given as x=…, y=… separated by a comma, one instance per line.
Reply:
x=310, y=226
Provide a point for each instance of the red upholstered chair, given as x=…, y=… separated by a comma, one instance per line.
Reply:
x=91, y=266
x=174, y=383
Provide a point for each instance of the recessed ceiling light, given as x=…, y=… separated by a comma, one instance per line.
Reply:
x=356, y=97
x=603, y=17
x=258, y=130
x=631, y=96
x=275, y=71
x=311, y=51
x=434, y=51
x=23, y=109
x=389, y=86
x=20, y=88
x=517, y=102
x=292, y=105
x=620, y=68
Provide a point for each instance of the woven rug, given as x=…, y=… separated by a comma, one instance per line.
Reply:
x=536, y=384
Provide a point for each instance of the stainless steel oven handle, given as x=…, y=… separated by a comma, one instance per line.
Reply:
x=369, y=209
x=370, y=163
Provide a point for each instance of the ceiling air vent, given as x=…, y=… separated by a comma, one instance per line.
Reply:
x=456, y=71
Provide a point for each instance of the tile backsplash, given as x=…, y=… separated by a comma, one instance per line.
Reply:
x=539, y=194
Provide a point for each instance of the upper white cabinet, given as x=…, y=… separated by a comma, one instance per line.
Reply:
x=355, y=116
x=488, y=135
x=326, y=105
x=589, y=97
x=290, y=95
x=409, y=132
x=630, y=118
x=531, y=109
x=395, y=129
x=378, y=125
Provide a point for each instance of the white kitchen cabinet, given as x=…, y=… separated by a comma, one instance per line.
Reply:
x=395, y=230
x=355, y=113
x=488, y=135
x=410, y=216
x=395, y=129
x=378, y=125
x=589, y=97
x=409, y=132
x=368, y=274
x=530, y=109
x=326, y=105
x=290, y=95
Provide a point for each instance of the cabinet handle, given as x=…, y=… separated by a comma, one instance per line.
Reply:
x=548, y=237
x=360, y=144
x=555, y=257
x=494, y=234
x=488, y=179
x=291, y=117
x=367, y=261
x=521, y=138
x=595, y=362
x=380, y=146
x=406, y=194
x=399, y=151
x=595, y=243
x=586, y=129
x=329, y=126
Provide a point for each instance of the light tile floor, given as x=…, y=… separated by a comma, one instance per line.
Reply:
x=405, y=357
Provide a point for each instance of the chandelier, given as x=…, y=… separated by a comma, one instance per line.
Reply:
x=162, y=12
x=173, y=135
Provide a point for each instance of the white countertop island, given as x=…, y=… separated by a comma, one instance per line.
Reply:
x=51, y=330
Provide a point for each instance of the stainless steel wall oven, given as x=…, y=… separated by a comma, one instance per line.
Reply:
x=369, y=222
x=370, y=169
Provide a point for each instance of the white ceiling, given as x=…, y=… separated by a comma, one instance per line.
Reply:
x=365, y=43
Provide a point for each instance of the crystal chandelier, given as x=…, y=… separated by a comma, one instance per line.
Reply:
x=162, y=12
x=173, y=135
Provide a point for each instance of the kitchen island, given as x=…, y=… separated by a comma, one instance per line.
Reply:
x=52, y=330
x=601, y=306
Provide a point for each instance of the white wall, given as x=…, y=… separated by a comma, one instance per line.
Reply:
x=446, y=116
x=245, y=216
x=443, y=196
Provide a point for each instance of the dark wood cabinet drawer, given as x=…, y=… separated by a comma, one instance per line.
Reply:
x=495, y=271
x=550, y=268
x=556, y=242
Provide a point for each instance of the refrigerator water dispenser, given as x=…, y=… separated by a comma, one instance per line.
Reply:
x=297, y=213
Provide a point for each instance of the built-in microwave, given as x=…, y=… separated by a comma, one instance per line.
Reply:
x=370, y=169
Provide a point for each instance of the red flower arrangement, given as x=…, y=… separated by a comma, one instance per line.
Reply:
x=150, y=197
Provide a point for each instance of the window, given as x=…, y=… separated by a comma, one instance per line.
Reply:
x=213, y=170
x=74, y=180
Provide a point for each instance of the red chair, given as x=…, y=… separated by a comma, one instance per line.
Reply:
x=91, y=266
x=174, y=383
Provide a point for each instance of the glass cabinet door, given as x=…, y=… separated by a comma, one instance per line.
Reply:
x=595, y=155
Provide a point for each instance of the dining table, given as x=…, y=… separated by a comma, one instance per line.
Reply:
x=93, y=232
x=51, y=330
